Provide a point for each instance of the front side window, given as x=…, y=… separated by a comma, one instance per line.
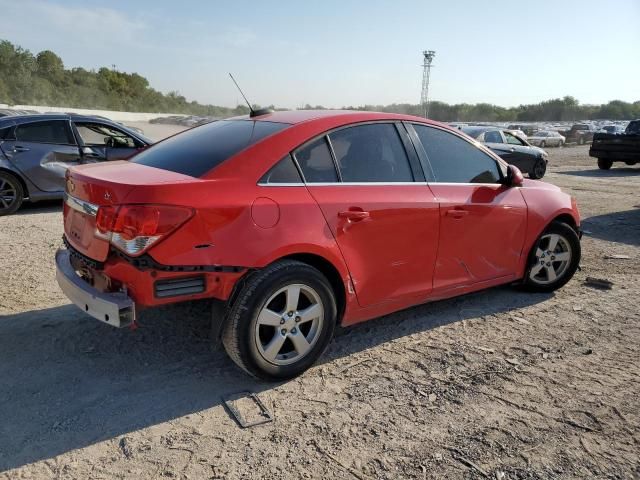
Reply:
x=53, y=131
x=512, y=139
x=316, y=162
x=371, y=153
x=196, y=151
x=98, y=135
x=492, y=136
x=455, y=160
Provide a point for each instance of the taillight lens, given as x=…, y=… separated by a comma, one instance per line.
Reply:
x=134, y=228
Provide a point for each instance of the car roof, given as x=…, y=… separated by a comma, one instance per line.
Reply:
x=53, y=116
x=473, y=131
x=294, y=117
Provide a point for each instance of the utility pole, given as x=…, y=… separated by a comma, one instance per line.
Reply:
x=426, y=74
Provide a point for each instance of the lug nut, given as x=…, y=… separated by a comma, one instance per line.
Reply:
x=290, y=314
x=293, y=330
x=298, y=319
x=281, y=321
x=283, y=331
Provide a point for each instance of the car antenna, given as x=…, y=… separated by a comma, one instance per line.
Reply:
x=252, y=112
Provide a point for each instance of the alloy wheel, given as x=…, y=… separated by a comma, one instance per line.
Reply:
x=553, y=257
x=289, y=324
x=8, y=194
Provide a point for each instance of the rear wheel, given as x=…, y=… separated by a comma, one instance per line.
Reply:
x=580, y=140
x=11, y=194
x=554, y=259
x=539, y=169
x=604, y=164
x=281, y=321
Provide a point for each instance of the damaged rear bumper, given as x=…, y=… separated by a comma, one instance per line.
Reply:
x=115, y=308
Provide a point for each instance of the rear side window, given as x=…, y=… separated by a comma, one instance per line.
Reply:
x=194, y=152
x=284, y=171
x=371, y=153
x=316, y=162
x=454, y=160
x=55, y=132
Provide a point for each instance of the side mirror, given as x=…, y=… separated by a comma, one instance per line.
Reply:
x=514, y=176
x=89, y=152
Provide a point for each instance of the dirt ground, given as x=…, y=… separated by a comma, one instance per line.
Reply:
x=499, y=384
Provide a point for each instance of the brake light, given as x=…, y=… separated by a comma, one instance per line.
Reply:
x=134, y=228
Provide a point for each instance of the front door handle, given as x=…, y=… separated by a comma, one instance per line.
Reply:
x=354, y=215
x=457, y=213
x=19, y=148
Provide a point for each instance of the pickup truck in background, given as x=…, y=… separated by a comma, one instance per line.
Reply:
x=617, y=147
x=579, y=133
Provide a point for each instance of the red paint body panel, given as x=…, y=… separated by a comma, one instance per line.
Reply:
x=482, y=233
x=390, y=252
x=408, y=250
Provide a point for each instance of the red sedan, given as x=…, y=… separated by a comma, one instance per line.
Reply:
x=298, y=221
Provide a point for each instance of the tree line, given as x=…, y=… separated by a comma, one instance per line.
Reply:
x=42, y=79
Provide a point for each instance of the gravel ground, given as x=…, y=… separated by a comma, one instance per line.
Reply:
x=498, y=384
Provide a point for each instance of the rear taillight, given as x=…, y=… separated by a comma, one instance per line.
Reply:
x=134, y=228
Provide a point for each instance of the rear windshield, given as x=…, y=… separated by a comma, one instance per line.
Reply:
x=196, y=151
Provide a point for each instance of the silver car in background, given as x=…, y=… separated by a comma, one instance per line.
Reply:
x=546, y=138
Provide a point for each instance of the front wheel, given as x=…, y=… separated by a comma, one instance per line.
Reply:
x=539, y=169
x=281, y=321
x=604, y=164
x=554, y=258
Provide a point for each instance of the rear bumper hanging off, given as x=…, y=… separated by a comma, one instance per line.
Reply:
x=115, y=308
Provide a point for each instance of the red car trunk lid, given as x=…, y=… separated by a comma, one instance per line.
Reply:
x=91, y=186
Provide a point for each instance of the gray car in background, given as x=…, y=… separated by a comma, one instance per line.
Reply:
x=37, y=150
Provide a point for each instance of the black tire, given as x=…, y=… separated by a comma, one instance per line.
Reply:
x=543, y=144
x=571, y=239
x=604, y=164
x=561, y=144
x=539, y=169
x=11, y=193
x=241, y=335
x=580, y=140
x=630, y=163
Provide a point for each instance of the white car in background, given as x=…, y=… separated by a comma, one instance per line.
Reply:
x=546, y=138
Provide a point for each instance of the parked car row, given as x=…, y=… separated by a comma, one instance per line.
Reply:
x=37, y=150
x=184, y=120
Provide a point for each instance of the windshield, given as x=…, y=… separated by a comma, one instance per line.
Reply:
x=196, y=151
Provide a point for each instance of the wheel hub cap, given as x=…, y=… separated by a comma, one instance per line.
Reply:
x=289, y=324
x=553, y=257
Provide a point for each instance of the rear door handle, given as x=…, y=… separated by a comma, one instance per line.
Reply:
x=457, y=213
x=354, y=215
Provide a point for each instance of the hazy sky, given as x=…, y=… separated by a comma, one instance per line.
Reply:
x=338, y=53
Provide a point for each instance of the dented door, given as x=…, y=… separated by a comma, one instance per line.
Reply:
x=43, y=151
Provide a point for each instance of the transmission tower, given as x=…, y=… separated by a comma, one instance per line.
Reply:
x=426, y=74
